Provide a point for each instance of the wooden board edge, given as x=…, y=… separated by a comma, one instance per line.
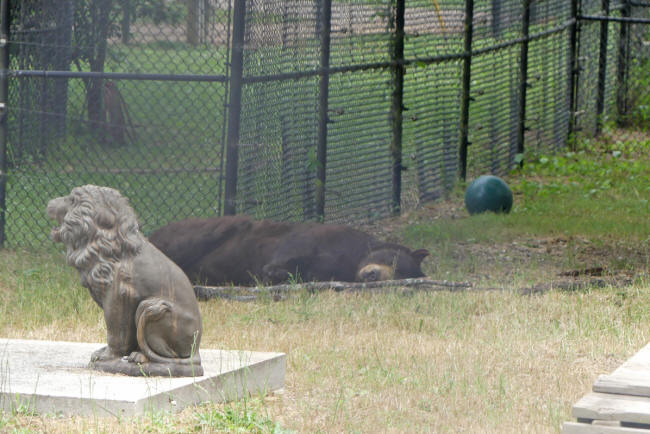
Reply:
x=585, y=428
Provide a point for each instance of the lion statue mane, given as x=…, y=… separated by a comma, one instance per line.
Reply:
x=152, y=317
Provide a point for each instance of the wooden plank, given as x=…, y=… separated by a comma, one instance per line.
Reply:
x=605, y=406
x=584, y=428
x=631, y=378
x=624, y=383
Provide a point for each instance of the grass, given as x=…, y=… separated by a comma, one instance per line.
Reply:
x=492, y=361
x=245, y=416
x=484, y=361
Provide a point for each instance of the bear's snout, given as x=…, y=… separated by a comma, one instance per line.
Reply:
x=371, y=275
x=375, y=273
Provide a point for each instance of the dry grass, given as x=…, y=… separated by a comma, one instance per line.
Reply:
x=482, y=362
x=492, y=361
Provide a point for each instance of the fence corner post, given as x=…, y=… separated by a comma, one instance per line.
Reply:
x=465, y=97
x=622, y=66
x=234, y=107
x=397, y=104
x=323, y=108
x=573, y=70
x=523, y=76
x=4, y=109
x=602, y=69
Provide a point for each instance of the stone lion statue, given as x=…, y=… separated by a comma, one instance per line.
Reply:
x=152, y=317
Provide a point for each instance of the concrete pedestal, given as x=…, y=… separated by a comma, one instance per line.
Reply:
x=53, y=377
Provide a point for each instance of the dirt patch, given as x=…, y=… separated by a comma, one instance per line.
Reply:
x=577, y=285
x=567, y=263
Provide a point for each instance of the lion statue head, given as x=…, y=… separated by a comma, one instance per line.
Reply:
x=99, y=229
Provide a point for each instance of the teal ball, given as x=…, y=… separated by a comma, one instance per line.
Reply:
x=488, y=193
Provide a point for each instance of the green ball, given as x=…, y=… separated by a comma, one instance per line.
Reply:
x=488, y=193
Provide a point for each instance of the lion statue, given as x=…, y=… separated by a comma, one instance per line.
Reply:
x=152, y=317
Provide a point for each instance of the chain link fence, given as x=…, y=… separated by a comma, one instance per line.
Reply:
x=330, y=110
x=613, y=84
x=634, y=103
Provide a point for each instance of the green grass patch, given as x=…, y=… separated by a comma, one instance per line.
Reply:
x=38, y=290
x=599, y=193
x=245, y=416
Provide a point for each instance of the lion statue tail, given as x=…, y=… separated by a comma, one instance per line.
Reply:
x=153, y=310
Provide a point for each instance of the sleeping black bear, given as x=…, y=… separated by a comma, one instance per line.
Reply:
x=241, y=251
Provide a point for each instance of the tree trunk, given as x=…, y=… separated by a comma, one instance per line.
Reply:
x=94, y=86
x=126, y=21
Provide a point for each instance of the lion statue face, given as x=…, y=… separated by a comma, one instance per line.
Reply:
x=99, y=228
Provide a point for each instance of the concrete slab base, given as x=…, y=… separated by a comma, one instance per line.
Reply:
x=53, y=377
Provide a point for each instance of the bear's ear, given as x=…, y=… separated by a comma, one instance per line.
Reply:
x=420, y=254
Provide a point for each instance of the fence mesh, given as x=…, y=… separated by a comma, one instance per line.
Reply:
x=614, y=68
x=135, y=95
x=358, y=177
x=432, y=97
x=279, y=116
x=633, y=99
x=158, y=141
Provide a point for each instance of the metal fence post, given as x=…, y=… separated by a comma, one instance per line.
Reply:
x=323, y=106
x=622, y=66
x=602, y=69
x=573, y=69
x=234, y=106
x=193, y=18
x=4, y=103
x=497, y=18
x=126, y=21
x=465, y=98
x=397, y=58
x=523, y=76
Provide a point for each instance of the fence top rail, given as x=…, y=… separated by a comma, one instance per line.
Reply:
x=614, y=19
x=18, y=73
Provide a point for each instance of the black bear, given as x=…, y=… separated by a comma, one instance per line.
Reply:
x=241, y=251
